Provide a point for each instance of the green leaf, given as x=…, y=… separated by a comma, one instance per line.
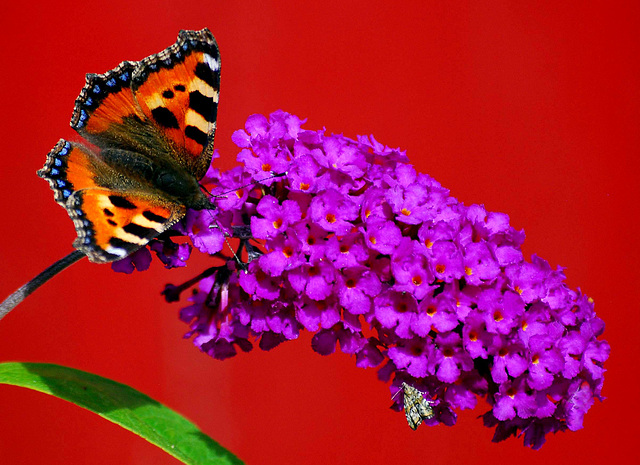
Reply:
x=122, y=405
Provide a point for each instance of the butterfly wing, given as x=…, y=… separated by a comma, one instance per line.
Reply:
x=112, y=224
x=163, y=106
x=178, y=90
x=113, y=215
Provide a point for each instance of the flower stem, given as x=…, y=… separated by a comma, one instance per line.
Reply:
x=24, y=291
x=172, y=292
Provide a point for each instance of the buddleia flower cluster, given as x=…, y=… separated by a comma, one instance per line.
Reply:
x=345, y=239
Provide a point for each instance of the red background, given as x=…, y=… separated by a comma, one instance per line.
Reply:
x=531, y=108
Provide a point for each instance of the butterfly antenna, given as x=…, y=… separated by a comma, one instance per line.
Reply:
x=226, y=239
x=22, y=293
x=273, y=175
x=202, y=186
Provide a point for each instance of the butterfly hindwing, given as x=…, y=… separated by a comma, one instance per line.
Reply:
x=163, y=106
x=113, y=215
x=69, y=168
x=112, y=224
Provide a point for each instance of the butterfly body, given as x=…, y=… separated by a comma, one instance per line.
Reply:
x=153, y=123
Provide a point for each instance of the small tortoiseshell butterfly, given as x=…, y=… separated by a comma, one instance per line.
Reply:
x=153, y=123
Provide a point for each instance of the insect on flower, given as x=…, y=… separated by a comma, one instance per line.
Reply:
x=416, y=407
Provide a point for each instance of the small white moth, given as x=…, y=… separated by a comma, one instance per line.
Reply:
x=416, y=407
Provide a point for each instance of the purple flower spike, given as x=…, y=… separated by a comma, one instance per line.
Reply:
x=345, y=239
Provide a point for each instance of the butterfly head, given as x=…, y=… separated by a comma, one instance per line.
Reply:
x=183, y=187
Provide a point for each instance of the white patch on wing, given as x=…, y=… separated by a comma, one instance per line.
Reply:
x=193, y=118
x=212, y=62
x=117, y=251
x=145, y=223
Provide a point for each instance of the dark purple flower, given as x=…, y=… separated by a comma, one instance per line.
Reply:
x=346, y=251
x=314, y=314
x=528, y=279
x=333, y=211
x=171, y=254
x=411, y=356
x=369, y=356
x=411, y=270
x=204, y=231
x=275, y=218
x=513, y=399
x=595, y=354
x=356, y=288
x=345, y=239
x=435, y=313
x=396, y=311
x=139, y=260
x=341, y=156
x=476, y=339
x=255, y=282
x=447, y=260
x=572, y=346
x=313, y=241
x=304, y=175
x=284, y=253
x=501, y=312
x=447, y=358
x=508, y=360
x=579, y=401
x=479, y=265
x=545, y=360
x=313, y=280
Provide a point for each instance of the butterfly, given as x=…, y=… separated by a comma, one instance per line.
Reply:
x=153, y=123
x=416, y=407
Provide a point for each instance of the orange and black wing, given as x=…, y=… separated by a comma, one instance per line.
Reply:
x=113, y=216
x=163, y=106
x=112, y=224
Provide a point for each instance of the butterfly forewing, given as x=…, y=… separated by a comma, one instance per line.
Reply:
x=163, y=106
x=107, y=114
x=178, y=90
